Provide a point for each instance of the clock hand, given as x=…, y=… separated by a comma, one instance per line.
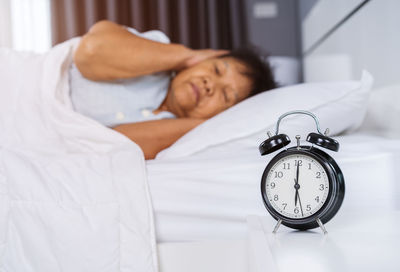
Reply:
x=301, y=208
x=296, y=185
x=296, y=194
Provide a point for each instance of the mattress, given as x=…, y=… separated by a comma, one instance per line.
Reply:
x=209, y=195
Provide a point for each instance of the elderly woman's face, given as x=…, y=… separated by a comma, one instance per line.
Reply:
x=208, y=88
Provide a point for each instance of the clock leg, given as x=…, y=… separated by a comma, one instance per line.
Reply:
x=321, y=226
x=277, y=226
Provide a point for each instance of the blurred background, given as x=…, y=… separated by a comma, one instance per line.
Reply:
x=308, y=40
x=196, y=23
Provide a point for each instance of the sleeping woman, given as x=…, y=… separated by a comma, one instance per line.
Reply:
x=153, y=91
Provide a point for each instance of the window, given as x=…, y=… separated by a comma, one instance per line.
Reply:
x=25, y=25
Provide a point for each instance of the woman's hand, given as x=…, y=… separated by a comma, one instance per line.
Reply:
x=198, y=56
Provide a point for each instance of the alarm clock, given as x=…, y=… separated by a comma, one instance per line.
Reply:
x=302, y=187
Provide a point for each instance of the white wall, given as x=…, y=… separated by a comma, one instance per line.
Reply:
x=370, y=40
x=322, y=17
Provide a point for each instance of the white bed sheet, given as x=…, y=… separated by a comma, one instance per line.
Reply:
x=209, y=195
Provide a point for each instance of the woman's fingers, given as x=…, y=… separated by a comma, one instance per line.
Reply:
x=203, y=54
x=210, y=53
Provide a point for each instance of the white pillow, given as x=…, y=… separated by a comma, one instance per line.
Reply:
x=383, y=112
x=341, y=106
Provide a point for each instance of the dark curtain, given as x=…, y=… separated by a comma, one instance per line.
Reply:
x=215, y=24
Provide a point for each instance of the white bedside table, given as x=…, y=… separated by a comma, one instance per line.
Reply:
x=204, y=256
x=368, y=241
x=355, y=241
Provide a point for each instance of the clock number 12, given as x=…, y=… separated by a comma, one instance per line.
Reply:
x=298, y=162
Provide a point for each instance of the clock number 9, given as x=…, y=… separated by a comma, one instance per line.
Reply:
x=272, y=185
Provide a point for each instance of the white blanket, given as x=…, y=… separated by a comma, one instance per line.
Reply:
x=73, y=194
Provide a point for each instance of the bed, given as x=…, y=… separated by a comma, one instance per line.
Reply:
x=208, y=193
x=69, y=185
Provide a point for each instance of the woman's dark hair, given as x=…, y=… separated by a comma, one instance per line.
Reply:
x=258, y=70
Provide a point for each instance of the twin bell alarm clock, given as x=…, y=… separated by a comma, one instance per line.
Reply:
x=302, y=186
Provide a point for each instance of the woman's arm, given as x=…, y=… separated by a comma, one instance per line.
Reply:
x=154, y=136
x=109, y=51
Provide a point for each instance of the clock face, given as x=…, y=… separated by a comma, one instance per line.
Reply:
x=297, y=186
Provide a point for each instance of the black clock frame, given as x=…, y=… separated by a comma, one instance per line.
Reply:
x=335, y=195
